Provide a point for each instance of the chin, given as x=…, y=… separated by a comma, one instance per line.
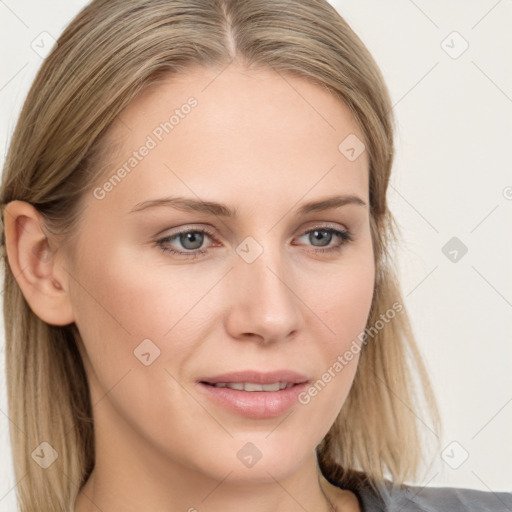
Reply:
x=252, y=458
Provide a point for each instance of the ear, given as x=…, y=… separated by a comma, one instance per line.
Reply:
x=33, y=264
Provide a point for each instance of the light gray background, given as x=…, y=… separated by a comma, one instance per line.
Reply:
x=452, y=178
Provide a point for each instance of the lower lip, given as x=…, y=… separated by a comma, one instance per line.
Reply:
x=255, y=404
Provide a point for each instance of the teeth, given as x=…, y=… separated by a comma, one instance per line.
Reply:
x=250, y=386
x=235, y=385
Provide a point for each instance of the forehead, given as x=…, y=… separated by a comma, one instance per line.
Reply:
x=219, y=133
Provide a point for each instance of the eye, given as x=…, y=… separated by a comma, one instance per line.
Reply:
x=324, y=235
x=191, y=240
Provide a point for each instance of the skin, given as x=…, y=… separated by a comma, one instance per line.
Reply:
x=263, y=143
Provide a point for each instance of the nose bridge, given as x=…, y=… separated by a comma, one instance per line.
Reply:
x=264, y=304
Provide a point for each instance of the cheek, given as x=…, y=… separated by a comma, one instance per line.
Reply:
x=120, y=301
x=115, y=309
x=345, y=306
x=121, y=293
x=343, y=302
x=352, y=298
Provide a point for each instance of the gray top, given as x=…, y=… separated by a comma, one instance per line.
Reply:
x=433, y=499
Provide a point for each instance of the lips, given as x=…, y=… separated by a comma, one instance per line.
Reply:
x=253, y=394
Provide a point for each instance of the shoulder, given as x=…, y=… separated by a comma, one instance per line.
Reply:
x=430, y=499
x=409, y=498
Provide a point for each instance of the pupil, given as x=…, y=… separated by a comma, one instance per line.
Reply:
x=326, y=239
x=195, y=238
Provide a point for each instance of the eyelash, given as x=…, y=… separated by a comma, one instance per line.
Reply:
x=344, y=235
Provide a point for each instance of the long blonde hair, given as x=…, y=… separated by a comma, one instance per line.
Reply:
x=110, y=52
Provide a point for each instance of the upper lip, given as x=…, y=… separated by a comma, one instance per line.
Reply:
x=256, y=377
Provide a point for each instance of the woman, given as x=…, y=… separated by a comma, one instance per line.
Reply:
x=201, y=309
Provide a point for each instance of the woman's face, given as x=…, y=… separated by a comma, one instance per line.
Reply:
x=243, y=292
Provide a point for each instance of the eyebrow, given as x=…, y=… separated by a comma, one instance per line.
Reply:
x=197, y=205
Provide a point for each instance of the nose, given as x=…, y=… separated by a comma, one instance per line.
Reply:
x=263, y=301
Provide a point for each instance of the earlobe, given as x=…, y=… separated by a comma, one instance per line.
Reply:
x=34, y=264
